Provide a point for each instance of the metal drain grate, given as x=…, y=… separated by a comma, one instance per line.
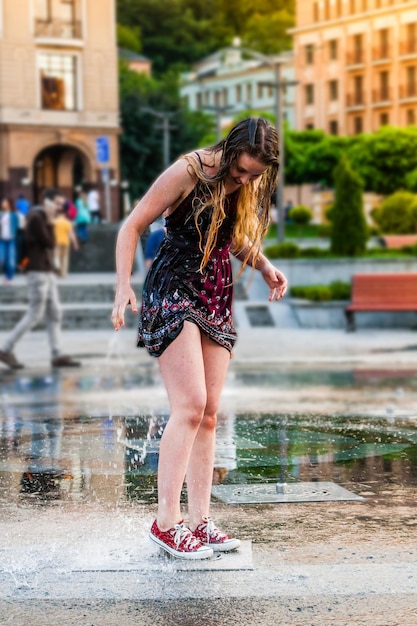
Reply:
x=282, y=492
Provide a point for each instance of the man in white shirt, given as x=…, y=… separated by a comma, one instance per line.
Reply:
x=93, y=201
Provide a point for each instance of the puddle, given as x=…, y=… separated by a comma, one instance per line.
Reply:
x=51, y=455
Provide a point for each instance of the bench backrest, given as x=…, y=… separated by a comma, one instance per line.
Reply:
x=384, y=289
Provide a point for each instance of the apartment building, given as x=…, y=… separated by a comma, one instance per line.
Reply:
x=356, y=63
x=59, y=113
x=232, y=80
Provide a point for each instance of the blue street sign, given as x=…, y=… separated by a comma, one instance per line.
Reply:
x=102, y=149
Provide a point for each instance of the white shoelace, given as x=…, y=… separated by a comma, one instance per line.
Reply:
x=184, y=535
x=211, y=529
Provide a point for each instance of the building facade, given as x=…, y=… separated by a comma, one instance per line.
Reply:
x=356, y=63
x=58, y=97
x=231, y=81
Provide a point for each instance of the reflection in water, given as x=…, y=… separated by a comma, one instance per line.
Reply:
x=50, y=453
x=114, y=458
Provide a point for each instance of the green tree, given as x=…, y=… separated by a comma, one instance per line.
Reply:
x=384, y=158
x=180, y=32
x=128, y=38
x=349, y=231
x=141, y=140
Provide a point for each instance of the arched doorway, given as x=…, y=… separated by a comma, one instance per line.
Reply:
x=64, y=167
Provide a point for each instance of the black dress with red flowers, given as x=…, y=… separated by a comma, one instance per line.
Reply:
x=176, y=290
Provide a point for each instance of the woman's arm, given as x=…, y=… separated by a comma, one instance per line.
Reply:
x=273, y=277
x=166, y=193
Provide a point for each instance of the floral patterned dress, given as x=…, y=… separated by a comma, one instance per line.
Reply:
x=175, y=290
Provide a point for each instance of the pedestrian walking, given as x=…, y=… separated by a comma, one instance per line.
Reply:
x=93, y=202
x=9, y=228
x=217, y=202
x=82, y=218
x=43, y=296
x=64, y=238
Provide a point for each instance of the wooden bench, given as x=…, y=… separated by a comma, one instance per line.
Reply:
x=381, y=292
x=398, y=241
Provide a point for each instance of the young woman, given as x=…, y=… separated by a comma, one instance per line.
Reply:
x=215, y=201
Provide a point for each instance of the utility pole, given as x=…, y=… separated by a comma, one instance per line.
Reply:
x=166, y=126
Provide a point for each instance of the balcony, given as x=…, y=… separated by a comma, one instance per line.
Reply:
x=408, y=91
x=357, y=57
x=382, y=53
x=381, y=96
x=58, y=29
x=408, y=47
x=355, y=100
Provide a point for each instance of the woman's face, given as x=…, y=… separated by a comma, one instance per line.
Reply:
x=245, y=170
x=5, y=205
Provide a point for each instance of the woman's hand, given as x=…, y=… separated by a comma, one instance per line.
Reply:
x=125, y=296
x=275, y=280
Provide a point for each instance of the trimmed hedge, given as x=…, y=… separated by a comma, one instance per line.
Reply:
x=336, y=290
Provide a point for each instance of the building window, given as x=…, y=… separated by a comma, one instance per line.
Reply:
x=238, y=93
x=309, y=126
x=411, y=45
x=333, y=90
x=384, y=119
x=411, y=81
x=225, y=94
x=358, y=90
x=358, y=125
x=316, y=12
x=384, y=85
x=309, y=94
x=309, y=54
x=259, y=91
x=411, y=117
x=333, y=49
x=358, y=49
x=327, y=9
x=249, y=93
x=384, y=43
x=58, y=81
x=352, y=6
x=333, y=127
x=199, y=101
x=57, y=18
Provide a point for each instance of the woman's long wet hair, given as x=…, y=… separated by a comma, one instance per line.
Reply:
x=259, y=139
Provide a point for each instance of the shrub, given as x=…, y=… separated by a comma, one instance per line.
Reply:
x=337, y=290
x=340, y=290
x=314, y=252
x=300, y=215
x=284, y=250
x=397, y=214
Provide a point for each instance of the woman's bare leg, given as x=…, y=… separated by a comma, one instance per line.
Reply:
x=200, y=466
x=182, y=369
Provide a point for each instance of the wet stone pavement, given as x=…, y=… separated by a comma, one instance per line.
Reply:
x=300, y=409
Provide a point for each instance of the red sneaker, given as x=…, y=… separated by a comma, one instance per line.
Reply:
x=180, y=542
x=211, y=536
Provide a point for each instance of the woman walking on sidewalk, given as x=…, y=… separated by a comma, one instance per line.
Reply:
x=217, y=201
